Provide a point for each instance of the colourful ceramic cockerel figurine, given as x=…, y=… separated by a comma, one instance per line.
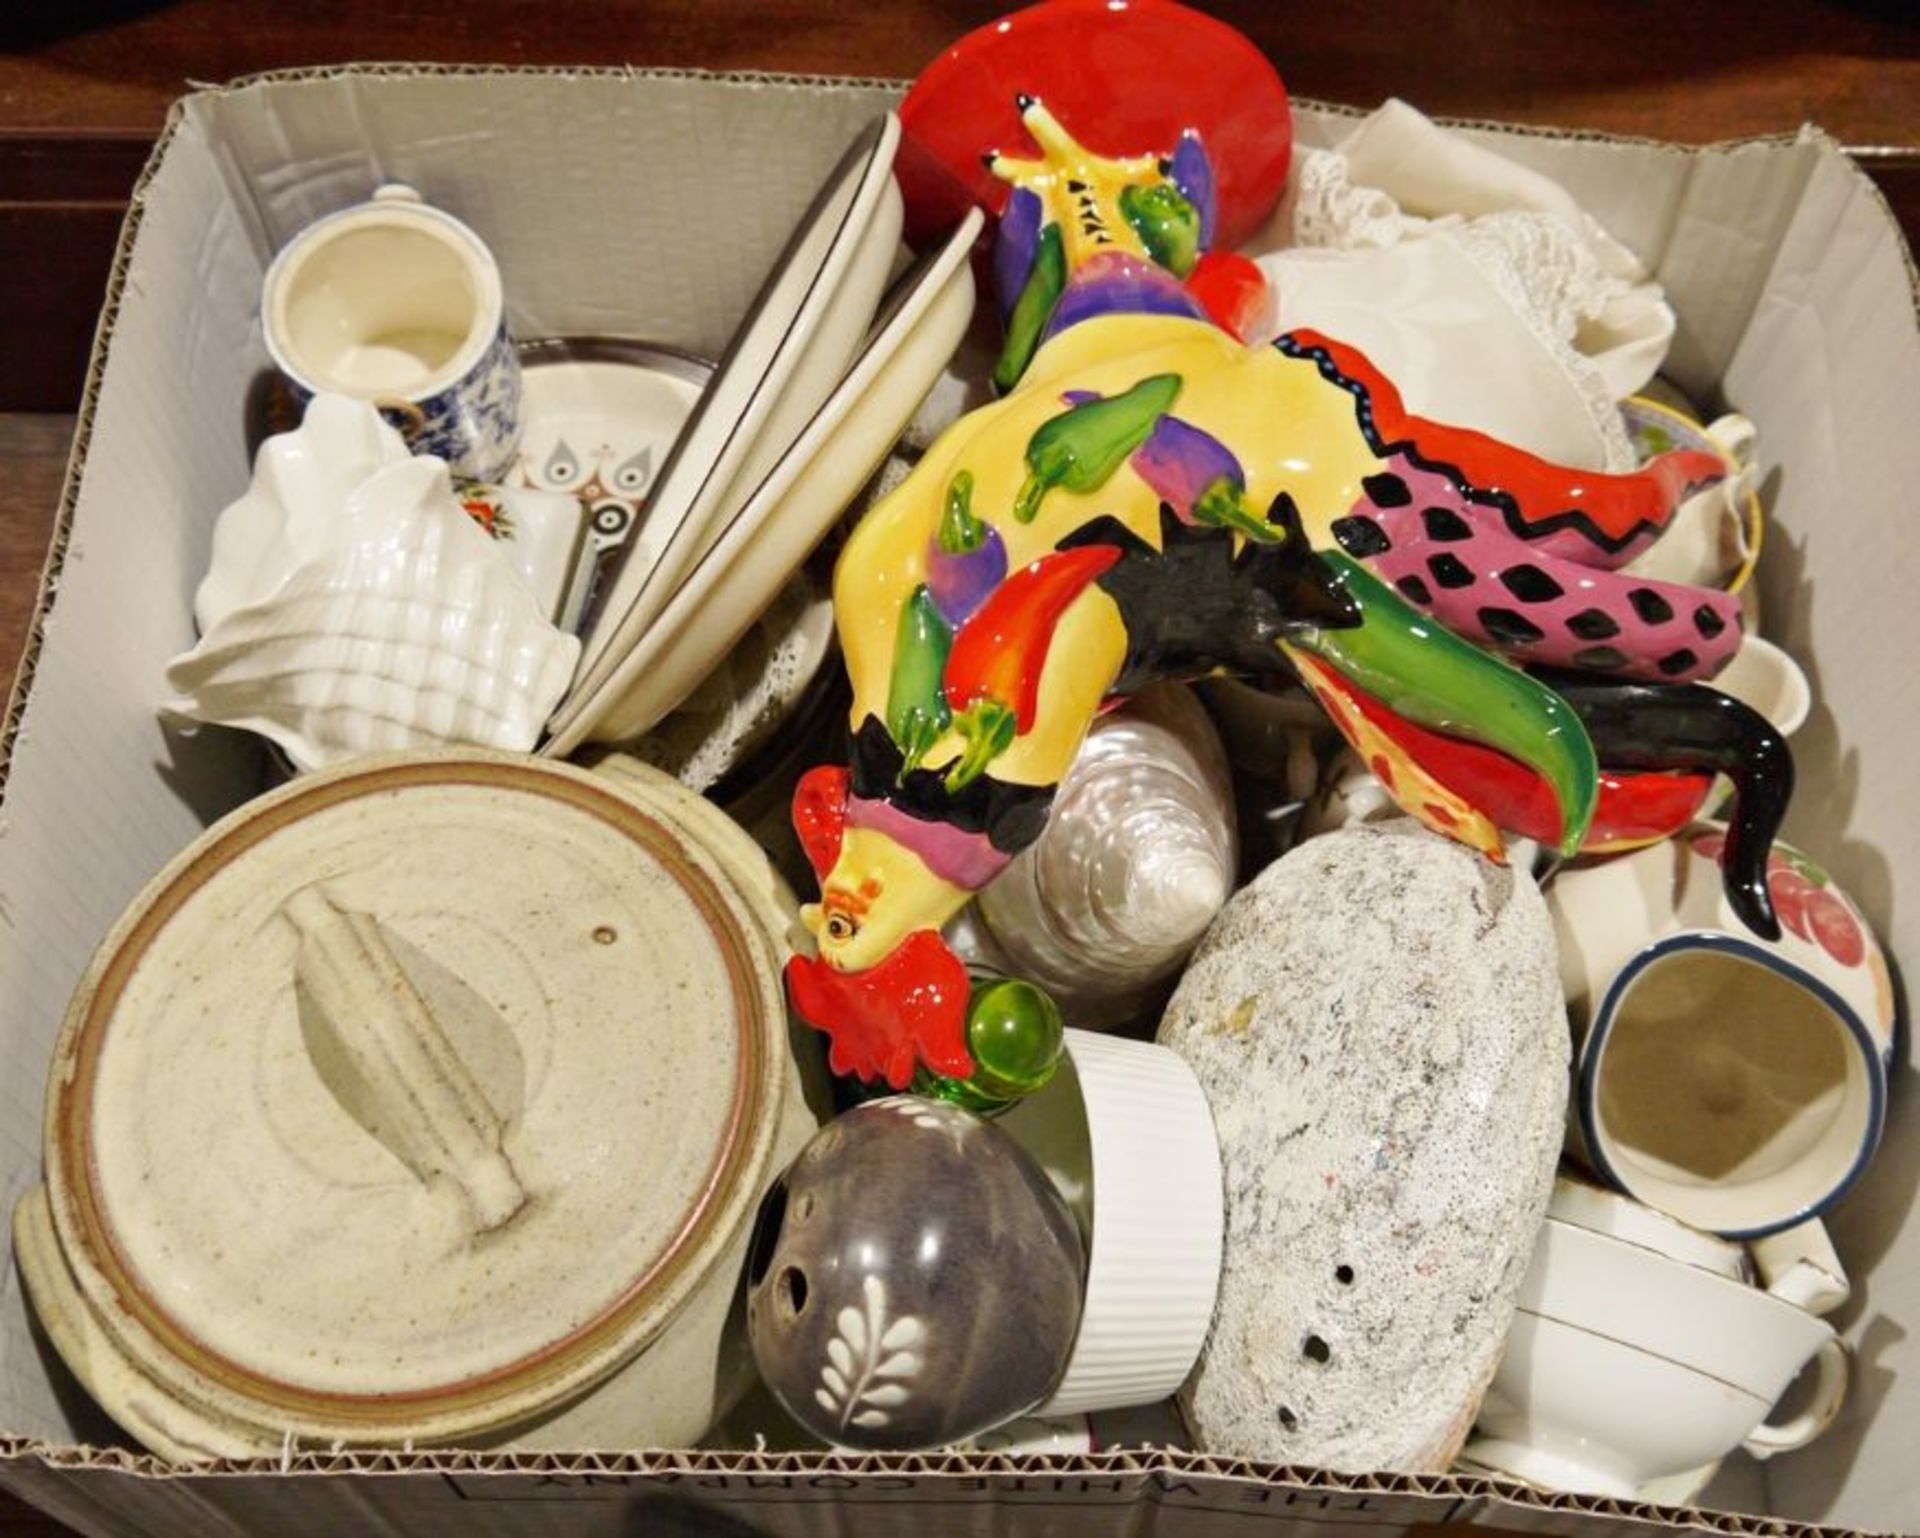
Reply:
x=1153, y=498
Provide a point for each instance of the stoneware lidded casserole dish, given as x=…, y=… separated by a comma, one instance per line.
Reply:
x=428, y=1099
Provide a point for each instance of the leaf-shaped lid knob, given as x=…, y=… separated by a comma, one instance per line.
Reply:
x=375, y=1042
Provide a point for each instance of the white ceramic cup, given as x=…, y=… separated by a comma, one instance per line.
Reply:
x=1800, y=1265
x=1626, y=1366
x=1736, y=1084
x=398, y=303
x=1768, y=679
x=1713, y=538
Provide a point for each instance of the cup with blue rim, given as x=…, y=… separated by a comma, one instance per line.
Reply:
x=1735, y=1083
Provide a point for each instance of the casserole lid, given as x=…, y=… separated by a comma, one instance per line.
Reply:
x=414, y=1095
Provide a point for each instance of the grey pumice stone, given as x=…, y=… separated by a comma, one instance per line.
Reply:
x=914, y=1279
x=1377, y=1023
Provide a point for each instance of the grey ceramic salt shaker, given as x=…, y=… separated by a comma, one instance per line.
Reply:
x=914, y=1279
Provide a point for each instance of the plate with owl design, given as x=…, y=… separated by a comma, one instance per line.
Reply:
x=601, y=415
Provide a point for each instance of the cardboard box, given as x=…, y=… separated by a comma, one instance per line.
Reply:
x=651, y=204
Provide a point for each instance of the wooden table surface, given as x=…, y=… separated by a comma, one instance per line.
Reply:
x=84, y=88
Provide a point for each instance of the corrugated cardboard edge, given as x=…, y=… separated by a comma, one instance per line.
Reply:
x=77, y=453
x=1125, y=1473
x=1502, y=1501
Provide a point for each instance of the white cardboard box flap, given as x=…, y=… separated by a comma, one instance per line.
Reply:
x=651, y=204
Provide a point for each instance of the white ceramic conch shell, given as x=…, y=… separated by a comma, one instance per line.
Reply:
x=353, y=607
x=290, y=513
x=1138, y=857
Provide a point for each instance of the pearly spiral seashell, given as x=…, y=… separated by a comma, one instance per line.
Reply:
x=354, y=607
x=1137, y=858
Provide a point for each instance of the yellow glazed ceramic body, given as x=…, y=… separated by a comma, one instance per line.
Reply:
x=1155, y=498
x=1236, y=390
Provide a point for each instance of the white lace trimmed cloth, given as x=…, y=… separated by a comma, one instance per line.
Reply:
x=1479, y=287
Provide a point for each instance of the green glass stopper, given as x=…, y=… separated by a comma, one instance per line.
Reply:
x=1016, y=1036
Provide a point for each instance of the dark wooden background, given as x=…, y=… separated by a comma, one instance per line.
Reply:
x=84, y=88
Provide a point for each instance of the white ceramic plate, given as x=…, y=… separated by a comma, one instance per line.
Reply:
x=751, y=691
x=1619, y=1217
x=601, y=416
x=794, y=344
x=794, y=507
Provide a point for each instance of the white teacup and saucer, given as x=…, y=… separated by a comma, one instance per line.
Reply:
x=1641, y=1355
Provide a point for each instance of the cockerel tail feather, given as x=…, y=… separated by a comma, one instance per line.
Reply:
x=1424, y=672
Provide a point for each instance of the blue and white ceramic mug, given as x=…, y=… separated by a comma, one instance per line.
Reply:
x=1737, y=1084
x=398, y=303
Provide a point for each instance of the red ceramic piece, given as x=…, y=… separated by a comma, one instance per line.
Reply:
x=910, y=1008
x=1616, y=509
x=999, y=654
x=1633, y=807
x=820, y=814
x=1129, y=76
x=1233, y=291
